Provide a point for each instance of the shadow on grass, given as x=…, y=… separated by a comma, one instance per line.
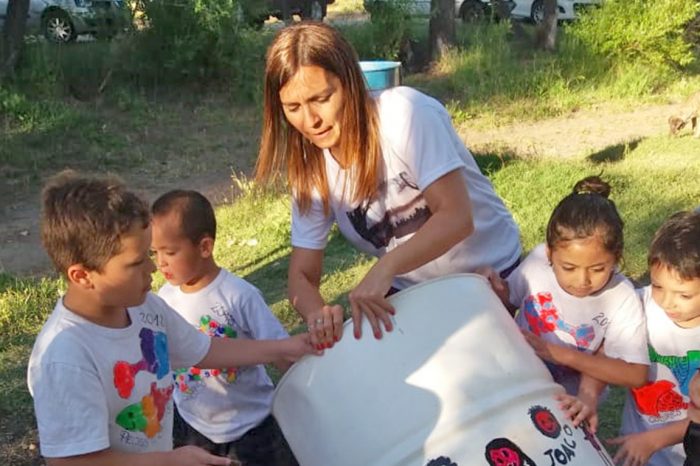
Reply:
x=614, y=153
x=490, y=162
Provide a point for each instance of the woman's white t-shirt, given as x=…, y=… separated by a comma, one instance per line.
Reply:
x=613, y=314
x=419, y=145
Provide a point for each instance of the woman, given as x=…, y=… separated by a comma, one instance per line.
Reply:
x=389, y=169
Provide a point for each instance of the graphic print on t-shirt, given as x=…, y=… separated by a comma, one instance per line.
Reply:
x=154, y=348
x=187, y=380
x=145, y=416
x=405, y=214
x=664, y=399
x=682, y=367
x=543, y=317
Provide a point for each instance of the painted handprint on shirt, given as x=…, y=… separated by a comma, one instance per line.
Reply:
x=543, y=317
x=154, y=348
x=187, y=379
x=146, y=415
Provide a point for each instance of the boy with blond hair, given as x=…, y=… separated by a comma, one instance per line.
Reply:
x=100, y=370
x=227, y=411
x=655, y=417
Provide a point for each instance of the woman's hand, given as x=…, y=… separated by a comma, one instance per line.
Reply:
x=368, y=298
x=325, y=326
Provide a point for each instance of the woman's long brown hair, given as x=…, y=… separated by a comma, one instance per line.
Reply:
x=282, y=146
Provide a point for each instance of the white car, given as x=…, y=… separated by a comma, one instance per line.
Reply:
x=534, y=9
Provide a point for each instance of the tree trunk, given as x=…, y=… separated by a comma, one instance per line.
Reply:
x=442, y=27
x=501, y=9
x=547, y=31
x=13, y=36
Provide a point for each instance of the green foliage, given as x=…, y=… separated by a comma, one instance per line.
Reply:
x=196, y=40
x=389, y=28
x=640, y=30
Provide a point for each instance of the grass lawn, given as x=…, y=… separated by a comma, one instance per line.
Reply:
x=655, y=178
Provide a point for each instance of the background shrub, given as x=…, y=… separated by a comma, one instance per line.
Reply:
x=640, y=30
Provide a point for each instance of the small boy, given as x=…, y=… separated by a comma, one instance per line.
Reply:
x=655, y=415
x=226, y=411
x=100, y=370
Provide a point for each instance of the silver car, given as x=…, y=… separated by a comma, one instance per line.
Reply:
x=63, y=20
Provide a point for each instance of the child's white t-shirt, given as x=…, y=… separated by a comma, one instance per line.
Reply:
x=225, y=404
x=675, y=356
x=419, y=146
x=613, y=314
x=96, y=387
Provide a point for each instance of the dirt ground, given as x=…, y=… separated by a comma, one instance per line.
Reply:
x=575, y=135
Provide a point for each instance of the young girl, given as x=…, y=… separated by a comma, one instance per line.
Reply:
x=572, y=300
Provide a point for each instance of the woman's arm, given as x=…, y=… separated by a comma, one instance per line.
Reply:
x=325, y=323
x=598, y=365
x=450, y=222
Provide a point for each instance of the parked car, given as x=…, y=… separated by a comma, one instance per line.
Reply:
x=467, y=10
x=534, y=9
x=255, y=12
x=63, y=20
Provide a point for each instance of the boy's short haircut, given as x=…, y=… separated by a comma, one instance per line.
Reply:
x=84, y=217
x=196, y=215
x=676, y=245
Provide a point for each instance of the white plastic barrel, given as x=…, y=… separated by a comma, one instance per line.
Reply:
x=455, y=384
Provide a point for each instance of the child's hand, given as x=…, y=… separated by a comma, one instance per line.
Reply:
x=634, y=449
x=499, y=285
x=545, y=350
x=195, y=456
x=296, y=346
x=578, y=411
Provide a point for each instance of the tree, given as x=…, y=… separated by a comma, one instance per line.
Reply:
x=13, y=36
x=547, y=30
x=441, y=27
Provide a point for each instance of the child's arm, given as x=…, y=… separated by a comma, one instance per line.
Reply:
x=606, y=369
x=636, y=449
x=694, y=395
x=227, y=352
x=499, y=286
x=185, y=456
x=589, y=390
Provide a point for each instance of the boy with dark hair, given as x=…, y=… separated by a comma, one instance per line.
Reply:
x=100, y=370
x=227, y=411
x=655, y=417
